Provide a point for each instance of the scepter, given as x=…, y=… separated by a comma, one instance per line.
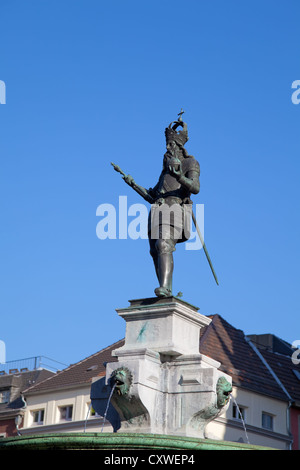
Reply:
x=141, y=191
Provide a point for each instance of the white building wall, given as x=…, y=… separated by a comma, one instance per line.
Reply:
x=225, y=427
x=80, y=400
x=228, y=428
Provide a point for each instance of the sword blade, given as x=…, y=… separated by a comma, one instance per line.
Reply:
x=204, y=248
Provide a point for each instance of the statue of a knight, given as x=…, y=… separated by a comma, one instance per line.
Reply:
x=170, y=215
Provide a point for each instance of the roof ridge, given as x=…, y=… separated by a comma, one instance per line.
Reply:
x=206, y=330
x=222, y=319
x=215, y=317
x=73, y=365
x=90, y=357
x=269, y=368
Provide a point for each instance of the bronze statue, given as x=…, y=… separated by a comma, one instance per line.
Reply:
x=171, y=208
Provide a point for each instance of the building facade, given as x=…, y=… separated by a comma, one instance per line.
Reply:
x=12, y=403
x=62, y=403
x=264, y=406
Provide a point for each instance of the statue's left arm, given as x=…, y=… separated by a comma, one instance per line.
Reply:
x=190, y=180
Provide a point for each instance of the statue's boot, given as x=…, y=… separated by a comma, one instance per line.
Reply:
x=155, y=261
x=165, y=273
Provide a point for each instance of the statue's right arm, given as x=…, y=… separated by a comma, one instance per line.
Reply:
x=139, y=189
x=153, y=191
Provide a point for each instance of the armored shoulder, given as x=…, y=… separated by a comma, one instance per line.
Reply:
x=191, y=164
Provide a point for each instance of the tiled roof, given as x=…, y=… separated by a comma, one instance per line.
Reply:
x=80, y=373
x=287, y=372
x=219, y=340
x=228, y=345
x=15, y=383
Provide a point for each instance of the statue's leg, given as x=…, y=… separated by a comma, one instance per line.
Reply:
x=165, y=266
x=162, y=246
x=154, y=254
x=165, y=263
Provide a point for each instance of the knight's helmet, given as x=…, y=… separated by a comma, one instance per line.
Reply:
x=180, y=137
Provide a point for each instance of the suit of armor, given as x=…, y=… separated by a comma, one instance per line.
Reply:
x=170, y=215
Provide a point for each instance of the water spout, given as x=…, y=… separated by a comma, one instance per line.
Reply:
x=107, y=406
x=87, y=417
x=242, y=419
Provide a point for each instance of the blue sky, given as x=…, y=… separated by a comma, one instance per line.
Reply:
x=89, y=82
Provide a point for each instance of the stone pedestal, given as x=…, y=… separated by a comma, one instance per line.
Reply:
x=168, y=326
x=162, y=384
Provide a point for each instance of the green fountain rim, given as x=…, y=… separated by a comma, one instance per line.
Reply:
x=121, y=441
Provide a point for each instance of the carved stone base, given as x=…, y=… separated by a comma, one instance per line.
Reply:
x=163, y=385
x=167, y=325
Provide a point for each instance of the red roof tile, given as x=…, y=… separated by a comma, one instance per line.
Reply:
x=228, y=345
x=219, y=341
x=80, y=373
x=284, y=368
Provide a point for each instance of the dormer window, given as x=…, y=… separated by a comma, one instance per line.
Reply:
x=4, y=396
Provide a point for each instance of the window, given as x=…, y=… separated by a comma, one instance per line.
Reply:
x=4, y=396
x=237, y=411
x=65, y=413
x=38, y=417
x=267, y=421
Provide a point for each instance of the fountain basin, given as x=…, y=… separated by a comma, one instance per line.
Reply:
x=118, y=441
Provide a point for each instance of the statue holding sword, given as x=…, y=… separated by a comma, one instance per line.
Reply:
x=171, y=206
